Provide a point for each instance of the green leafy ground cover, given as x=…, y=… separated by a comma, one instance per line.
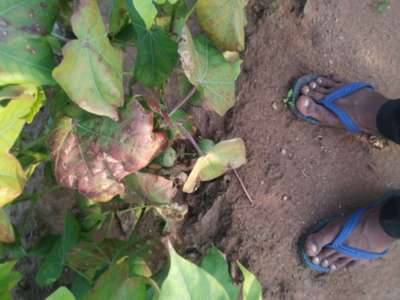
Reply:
x=117, y=152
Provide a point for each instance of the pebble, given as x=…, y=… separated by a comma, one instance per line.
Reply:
x=275, y=106
x=283, y=151
x=285, y=197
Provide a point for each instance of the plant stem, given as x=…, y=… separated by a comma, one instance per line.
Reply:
x=183, y=102
x=188, y=136
x=243, y=186
x=60, y=37
x=35, y=143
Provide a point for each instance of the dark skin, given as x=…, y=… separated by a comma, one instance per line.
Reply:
x=362, y=107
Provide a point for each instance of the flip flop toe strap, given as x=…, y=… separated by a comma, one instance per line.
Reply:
x=329, y=103
x=347, y=229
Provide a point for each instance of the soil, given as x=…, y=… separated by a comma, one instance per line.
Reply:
x=299, y=173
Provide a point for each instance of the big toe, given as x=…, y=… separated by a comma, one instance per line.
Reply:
x=310, y=108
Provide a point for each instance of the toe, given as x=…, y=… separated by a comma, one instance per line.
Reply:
x=316, y=96
x=310, y=108
x=327, y=254
x=342, y=262
x=305, y=90
x=313, y=85
x=326, y=82
x=323, y=90
x=339, y=79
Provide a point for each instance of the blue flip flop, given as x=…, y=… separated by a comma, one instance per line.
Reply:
x=328, y=102
x=338, y=244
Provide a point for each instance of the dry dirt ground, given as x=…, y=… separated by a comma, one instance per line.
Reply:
x=299, y=173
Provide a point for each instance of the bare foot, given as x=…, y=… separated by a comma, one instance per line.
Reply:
x=362, y=106
x=368, y=235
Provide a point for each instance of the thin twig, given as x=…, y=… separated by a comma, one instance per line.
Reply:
x=243, y=186
x=60, y=37
x=183, y=102
x=188, y=136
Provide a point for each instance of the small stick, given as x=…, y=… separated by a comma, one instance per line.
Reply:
x=60, y=37
x=188, y=136
x=243, y=186
x=183, y=102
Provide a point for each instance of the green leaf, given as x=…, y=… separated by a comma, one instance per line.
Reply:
x=6, y=228
x=251, y=289
x=156, y=58
x=206, y=145
x=15, y=114
x=186, y=281
x=215, y=264
x=62, y=293
x=12, y=178
x=138, y=267
x=115, y=284
x=93, y=155
x=224, y=22
x=118, y=17
x=146, y=10
x=80, y=287
x=157, y=52
x=53, y=265
x=8, y=279
x=25, y=54
x=150, y=188
x=224, y=156
x=166, y=159
x=91, y=71
x=208, y=70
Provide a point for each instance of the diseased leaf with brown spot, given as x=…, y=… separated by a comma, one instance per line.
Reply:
x=6, y=229
x=91, y=71
x=150, y=188
x=25, y=54
x=94, y=155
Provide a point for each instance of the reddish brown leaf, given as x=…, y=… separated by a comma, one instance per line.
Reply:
x=94, y=156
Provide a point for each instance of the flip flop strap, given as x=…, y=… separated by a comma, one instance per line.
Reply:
x=344, y=91
x=345, y=232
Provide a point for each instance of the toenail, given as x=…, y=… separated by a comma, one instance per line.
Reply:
x=306, y=103
x=306, y=90
x=316, y=260
x=313, y=248
x=313, y=85
x=325, y=263
x=333, y=267
x=319, y=80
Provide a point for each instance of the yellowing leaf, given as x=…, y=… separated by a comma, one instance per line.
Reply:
x=6, y=229
x=151, y=188
x=12, y=178
x=224, y=156
x=224, y=22
x=251, y=289
x=91, y=71
x=25, y=54
x=208, y=70
x=94, y=155
x=13, y=117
